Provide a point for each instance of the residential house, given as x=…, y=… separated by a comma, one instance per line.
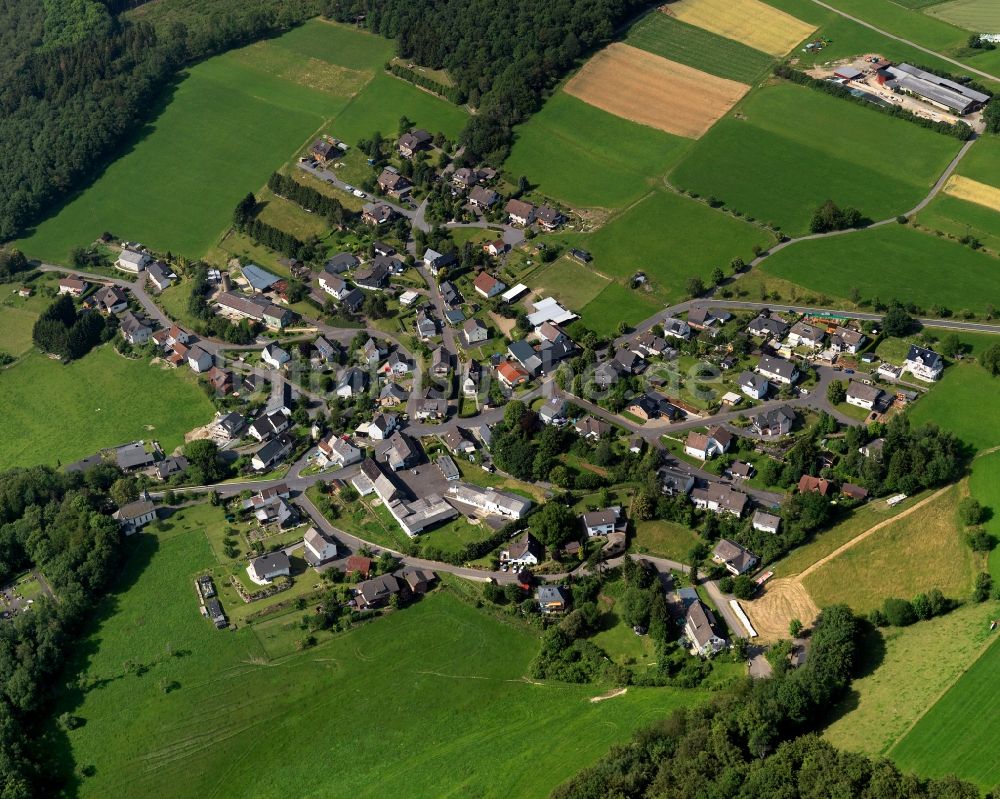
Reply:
x=766, y=522
x=552, y=598
x=454, y=317
x=488, y=286
x=359, y=564
x=378, y=591
x=413, y=142
x=199, y=360
x=271, y=453
x=457, y=442
x=511, y=375
x=352, y=382
x=376, y=214
x=431, y=409
x=450, y=293
x=855, y=492
x=549, y=218
x=426, y=326
x=845, y=339
x=239, y=306
x=133, y=330
x=324, y=351
x=520, y=212
x=465, y=177
x=719, y=498
x=740, y=470
x=646, y=344
x=318, y=548
x=700, y=630
x=653, y=406
x=470, y=381
x=592, y=428
x=440, y=362
x=399, y=452
x=133, y=516
x=815, y=485
x=382, y=426
x=268, y=425
x=325, y=151
x=607, y=374
x=862, y=395
x=767, y=326
x=159, y=275
x=229, y=426
x=110, y=299
x=803, y=334
x=735, y=558
x=373, y=276
x=340, y=263
x=264, y=569
x=490, y=501
x=396, y=365
x=754, y=385
x=135, y=456
x=676, y=328
x=636, y=444
x=553, y=411
x=220, y=380
x=272, y=509
x=495, y=248
x=707, y=445
x=392, y=394
x=337, y=451
x=74, y=286
x=130, y=260
x=436, y=261
x=602, y=522
x=774, y=422
x=873, y=449
x=629, y=362
x=778, y=369
x=701, y=318
x=274, y=356
x=474, y=332
x=335, y=286
x=526, y=355
x=372, y=351
x=482, y=197
x=923, y=364
x=393, y=183
x=525, y=551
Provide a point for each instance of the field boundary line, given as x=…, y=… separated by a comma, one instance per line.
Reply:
x=870, y=531
x=940, y=696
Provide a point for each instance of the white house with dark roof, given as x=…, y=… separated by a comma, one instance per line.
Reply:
x=700, y=630
x=862, y=396
x=719, y=498
x=601, y=522
x=753, y=385
x=274, y=356
x=804, y=334
x=766, y=522
x=318, y=547
x=846, y=339
x=264, y=569
x=923, y=364
x=767, y=326
x=778, y=369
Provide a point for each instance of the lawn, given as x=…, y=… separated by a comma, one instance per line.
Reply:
x=696, y=47
x=617, y=304
x=175, y=301
x=271, y=98
x=15, y=330
x=892, y=262
x=204, y=701
x=918, y=664
x=982, y=162
x=958, y=218
x=671, y=238
x=963, y=387
x=572, y=283
x=59, y=413
x=587, y=157
x=959, y=734
x=984, y=485
x=780, y=156
x=936, y=556
x=661, y=537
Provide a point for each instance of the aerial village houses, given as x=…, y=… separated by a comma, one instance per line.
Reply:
x=488, y=286
x=74, y=286
x=413, y=142
x=520, y=213
x=700, y=630
x=778, y=369
x=803, y=334
x=130, y=260
x=719, y=498
x=734, y=557
x=923, y=364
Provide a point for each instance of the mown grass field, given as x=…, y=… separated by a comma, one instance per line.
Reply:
x=666, y=538
x=892, y=262
x=936, y=556
x=587, y=157
x=963, y=387
x=59, y=413
x=984, y=485
x=783, y=156
x=617, y=304
x=570, y=282
x=959, y=734
x=15, y=330
x=957, y=218
x=398, y=701
x=919, y=662
x=669, y=37
x=228, y=124
x=979, y=16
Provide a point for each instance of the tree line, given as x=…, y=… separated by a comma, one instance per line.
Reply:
x=312, y=200
x=245, y=221
x=958, y=129
x=64, y=331
x=453, y=94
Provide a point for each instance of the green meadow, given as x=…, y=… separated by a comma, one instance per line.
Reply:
x=789, y=148
x=961, y=388
x=58, y=413
x=587, y=157
x=984, y=485
x=696, y=47
x=958, y=218
x=959, y=734
x=174, y=708
x=979, y=16
x=892, y=262
x=227, y=125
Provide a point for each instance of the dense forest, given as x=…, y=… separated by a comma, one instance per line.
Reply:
x=502, y=55
x=60, y=524
x=75, y=81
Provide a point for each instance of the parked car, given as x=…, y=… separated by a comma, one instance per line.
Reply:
x=359, y=193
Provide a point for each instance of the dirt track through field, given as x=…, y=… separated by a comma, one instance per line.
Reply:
x=751, y=22
x=786, y=598
x=973, y=191
x=651, y=90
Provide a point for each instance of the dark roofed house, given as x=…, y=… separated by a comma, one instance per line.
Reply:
x=854, y=491
x=324, y=151
x=377, y=214
x=377, y=591
x=393, y=183
x=548, y=217
x=340, y=263
x=734, y=557
x=482, y=197
x=774, y=422
x=699, y=627
x=520, y=212
x=414, y=141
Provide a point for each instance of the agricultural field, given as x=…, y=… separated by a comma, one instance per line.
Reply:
x=642, y=87
x=779, y=157
x=979, y=16
x=984, y=485
x=665, y=538
x=171, y=704
x=285, y=90
x=958, y=734
x=936, y=557
x=15, y=330
x=617, y=304
x=587, y=157
x=909, y=268
x=963, y=386
x=86, y=408
x=982, y=162
x=910, y=668
x=667, y=36
x=957, y=219
x=671, y=238
x=752, y=22
x=572, y=283
x=973, y=191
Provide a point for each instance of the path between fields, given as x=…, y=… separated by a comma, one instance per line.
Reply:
x=862, y=536
x=920, y=47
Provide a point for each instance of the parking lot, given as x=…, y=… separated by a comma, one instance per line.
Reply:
x=18, y=597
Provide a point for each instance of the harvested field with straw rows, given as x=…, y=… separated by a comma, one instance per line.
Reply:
x=646, y=88
x=973, y=191
x=751, y=22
